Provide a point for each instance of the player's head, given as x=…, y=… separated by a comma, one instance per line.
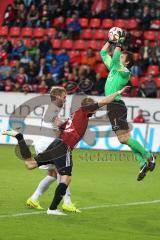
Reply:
x=58, y=96
x=127, y=59
x=87, y=102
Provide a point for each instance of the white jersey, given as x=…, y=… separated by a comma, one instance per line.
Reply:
x=47, y=122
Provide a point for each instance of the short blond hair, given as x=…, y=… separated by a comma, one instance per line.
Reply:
x=87, y=101
x=57, y=91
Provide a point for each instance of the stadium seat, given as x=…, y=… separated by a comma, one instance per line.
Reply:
x=67, y=44
x=94, y=23
x=150, y=35
x=155, y=24
x=71, y=54
x=131, y=24
x=14, y=41
x=98, y=57
x=157, y=79
x=38, y=32
x=101, y=68
x=79, y=45
x=154, y=69
x=56, y=43
x=134, y=81
x=158, y=36
x=50, y=32
x=100, y=34
x=27, y=41
x=27, y=32
x=86, y=34
x=92, y=44
x=107, y=23
x=55, y=21
x=14, y=32
x=3, y=31
x=136, y=33
x=68, y=20
x=83, y=22
x=119, y=23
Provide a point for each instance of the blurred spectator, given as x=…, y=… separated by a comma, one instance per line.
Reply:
x=3, y=55
x=140, y=118
x=50, y=56
x=32, y=48
x=5, y=69
x=18, y=50
x=7, y=46
x=62, y=57
x=21, y=16
x=74, y=7
x=9, y=16
x=156, y=51
x=60, y=27
x=32, y=72
x=145, y=19
x=73, y=28
x=32, y=16
x=55, y=70
x=21, y=77
x=28, y=3
x=42, y=87
x=112, y=11
x=85, y=10
x=60, y=7
x=89, y=59
x=43, y=68
x=146, y=52
x=45, y=45
x=44, y=18
x=99, y=8
x=98, y=87
x=25, y=59
x=150, y=87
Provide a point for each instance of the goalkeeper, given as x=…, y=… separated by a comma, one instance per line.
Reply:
x=119, y=75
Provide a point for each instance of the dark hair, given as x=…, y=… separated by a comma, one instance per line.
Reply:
x=129, y=58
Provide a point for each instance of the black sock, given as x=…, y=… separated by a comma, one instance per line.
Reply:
x=59, y=193
x=24, y=149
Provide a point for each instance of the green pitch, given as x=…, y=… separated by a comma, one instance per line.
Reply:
x=114, y=205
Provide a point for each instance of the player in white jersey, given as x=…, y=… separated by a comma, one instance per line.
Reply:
x=58, y=96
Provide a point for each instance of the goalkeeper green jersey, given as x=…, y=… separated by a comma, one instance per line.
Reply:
x=118, y=76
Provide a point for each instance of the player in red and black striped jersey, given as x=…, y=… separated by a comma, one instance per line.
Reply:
x=59, y=151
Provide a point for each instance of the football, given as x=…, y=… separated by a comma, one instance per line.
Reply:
x=114, y=33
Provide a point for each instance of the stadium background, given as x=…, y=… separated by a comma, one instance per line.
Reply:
x=113, y=204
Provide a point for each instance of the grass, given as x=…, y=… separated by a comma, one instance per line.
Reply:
x=95, y=183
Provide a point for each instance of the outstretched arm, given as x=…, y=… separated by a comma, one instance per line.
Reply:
x=111, y=97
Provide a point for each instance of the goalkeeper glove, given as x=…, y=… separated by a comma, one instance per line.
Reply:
x=121, y=40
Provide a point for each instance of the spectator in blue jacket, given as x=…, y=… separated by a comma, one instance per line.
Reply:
x=55, y=70
x=62, y=57
x=73, y=28
x=18, y=50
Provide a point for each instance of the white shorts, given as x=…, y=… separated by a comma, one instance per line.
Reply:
x=40, y=146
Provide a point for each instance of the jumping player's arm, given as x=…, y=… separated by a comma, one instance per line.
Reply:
x=105, y=55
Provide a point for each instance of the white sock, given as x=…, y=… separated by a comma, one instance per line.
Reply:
x=42, y=187
x=67, y=197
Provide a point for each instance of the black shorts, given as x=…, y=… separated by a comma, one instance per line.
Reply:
x=59, y=154
x=117, y=113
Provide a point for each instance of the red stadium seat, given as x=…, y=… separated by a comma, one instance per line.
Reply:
x=136, y=33
x=79, y=45
x=67, y=44
x=27, y=41
x=154, y=69
x=14, y=32
x=134, y=81
x=131, y=24
x=3, y=31
x=56, y=21
x=27, y=32
x=100, y=34
x=107, y=23
x=142, y=79
x=119, y=23
x=14, y=41
x=92, y=44
x=101, y=68
x=86, y=34
x=83, y=22
x=150, y=35
x=98, y=57
x=71, y=54
x=95, y=23
x=56, y=43
x=38, y=32
x=50, y=32
x=158, y=36
x=158, y=81
x=155, y=24
x=68, y=20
